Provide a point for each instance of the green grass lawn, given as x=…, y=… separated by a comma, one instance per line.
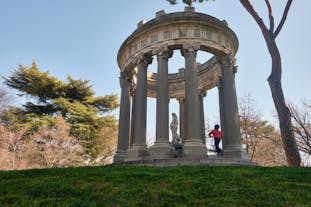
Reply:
x=157, y=186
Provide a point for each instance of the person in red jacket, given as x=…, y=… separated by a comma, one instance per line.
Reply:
x=217, y=134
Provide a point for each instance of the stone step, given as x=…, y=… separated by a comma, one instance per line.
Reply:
x=211, y=160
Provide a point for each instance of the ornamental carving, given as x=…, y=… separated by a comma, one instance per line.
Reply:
x=126, y=79
x=163, y=53
x=144, y=60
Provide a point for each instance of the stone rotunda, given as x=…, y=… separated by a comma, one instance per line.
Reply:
x=188, y=32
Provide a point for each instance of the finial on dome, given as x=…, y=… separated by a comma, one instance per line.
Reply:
x=160, y=13
x=189, y=9
x=141, y=23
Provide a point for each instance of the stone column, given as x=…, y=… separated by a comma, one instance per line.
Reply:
x=193, y=146
x=162, y=148
x=124, y=118
x=202, y=95
x=133, y=94
x=229, y=110
x=221, y=114
x=139, y=148
x=133, y=120
x=182, y=119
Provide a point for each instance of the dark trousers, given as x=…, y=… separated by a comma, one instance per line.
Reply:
x=218, y=150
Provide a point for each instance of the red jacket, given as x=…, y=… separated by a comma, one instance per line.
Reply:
x=216, y=133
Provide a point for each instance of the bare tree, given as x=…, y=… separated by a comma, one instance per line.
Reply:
x=249, y=120
x=263, y=142
x=302, y=126
x=270, y=152
x=46, y=147
x=57, y=147
x=10, y=147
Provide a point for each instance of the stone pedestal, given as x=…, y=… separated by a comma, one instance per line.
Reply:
x=235, y=152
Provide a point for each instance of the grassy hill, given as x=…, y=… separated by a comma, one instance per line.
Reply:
x=157, y=186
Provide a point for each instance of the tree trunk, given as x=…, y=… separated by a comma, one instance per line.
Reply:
x=287, y=134
x=289, y=142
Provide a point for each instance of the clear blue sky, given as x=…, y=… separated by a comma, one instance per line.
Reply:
x=81, y=38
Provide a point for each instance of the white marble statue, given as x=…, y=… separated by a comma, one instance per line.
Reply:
x=174, y=127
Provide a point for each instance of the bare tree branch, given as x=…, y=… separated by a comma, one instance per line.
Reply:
x=302, y=127
x=279, y=28
x=249, y=7
x=271, y=18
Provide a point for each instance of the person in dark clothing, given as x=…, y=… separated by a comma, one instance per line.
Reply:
x=217, y=134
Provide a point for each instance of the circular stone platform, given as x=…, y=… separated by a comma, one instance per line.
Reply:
x=211, y=161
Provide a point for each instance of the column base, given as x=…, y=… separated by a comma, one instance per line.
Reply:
x=120, y=156
x=161, y=150
x=194, y=149
x=137, y=152
x=235, y=152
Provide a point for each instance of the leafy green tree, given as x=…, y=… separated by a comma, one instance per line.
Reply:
x=270, y=34
x=106, y=145
x=44, y=89
x=49, y=97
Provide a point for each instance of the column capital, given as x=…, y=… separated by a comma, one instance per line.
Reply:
x=163, y=52
x=126, y=79
x=227, y=60
x=144, y=59
x=188, y=49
